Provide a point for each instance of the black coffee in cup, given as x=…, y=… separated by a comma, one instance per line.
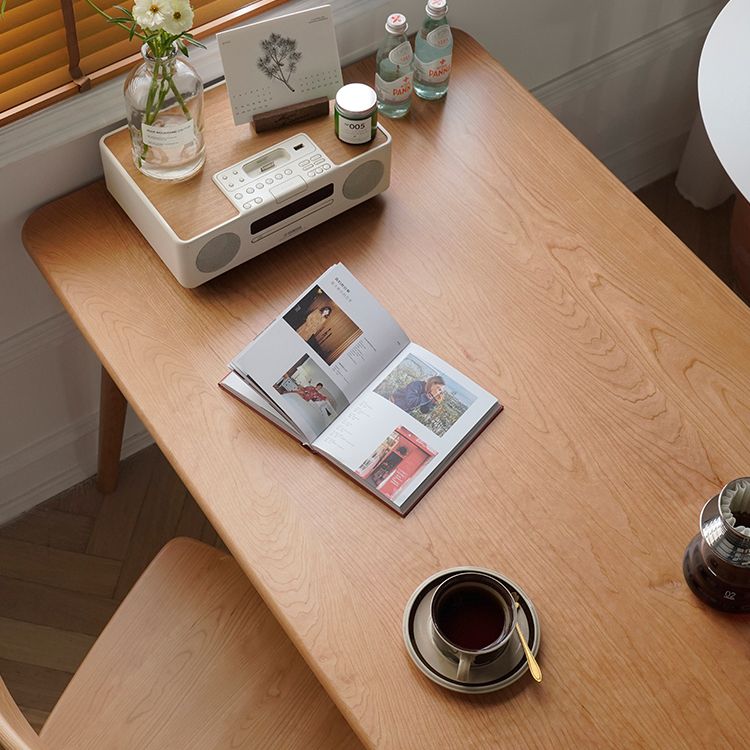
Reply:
x=471, y=616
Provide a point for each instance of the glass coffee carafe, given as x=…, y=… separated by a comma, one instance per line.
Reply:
x=717, y=561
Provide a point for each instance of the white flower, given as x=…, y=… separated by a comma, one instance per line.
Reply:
x=178, y=17
x=151, y=14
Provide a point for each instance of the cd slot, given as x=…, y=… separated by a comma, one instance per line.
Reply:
x=281, y=214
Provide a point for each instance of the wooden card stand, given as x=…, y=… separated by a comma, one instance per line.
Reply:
x=277, y=118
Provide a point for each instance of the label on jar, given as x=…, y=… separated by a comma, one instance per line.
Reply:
x=402, y=54
x=168, y=134
x=436, y=71
x=354, y=131
x=393, y=92
x=440, y=37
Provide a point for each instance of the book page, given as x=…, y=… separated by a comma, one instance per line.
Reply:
x=234, y=384
x=409, y=420
x=323, y=351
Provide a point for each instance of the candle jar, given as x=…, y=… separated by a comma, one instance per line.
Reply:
x=355, y=113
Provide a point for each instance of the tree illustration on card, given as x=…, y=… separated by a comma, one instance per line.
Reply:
x=280, y=58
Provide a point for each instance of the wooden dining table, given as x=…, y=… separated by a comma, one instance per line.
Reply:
x=506, y=248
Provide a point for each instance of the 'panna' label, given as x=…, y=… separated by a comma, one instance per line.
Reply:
x=402, y=54
x=355, y=131
x=436, y=71
x=393, y=92
x=168, y=134
x=440, y=37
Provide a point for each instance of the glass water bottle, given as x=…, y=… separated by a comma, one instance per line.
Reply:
x=433, y=50
x=395, y=66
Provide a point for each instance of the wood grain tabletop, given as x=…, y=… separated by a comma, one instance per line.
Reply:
x=507, y=249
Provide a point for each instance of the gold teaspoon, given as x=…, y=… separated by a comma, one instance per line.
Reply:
x=536, y=672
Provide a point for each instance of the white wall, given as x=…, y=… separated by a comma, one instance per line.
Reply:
x=619, y=73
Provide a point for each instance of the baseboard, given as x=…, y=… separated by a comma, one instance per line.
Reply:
x=66, y=456
x=649, y=159
x=54, y=464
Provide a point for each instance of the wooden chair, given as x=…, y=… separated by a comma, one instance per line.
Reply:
x=192, y=659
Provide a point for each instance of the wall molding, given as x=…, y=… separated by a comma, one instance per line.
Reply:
x=39, y=337
x=627, y=57
x=656, y=154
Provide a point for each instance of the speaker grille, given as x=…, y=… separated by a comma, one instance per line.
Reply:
x=363, y=180
x=218, y=252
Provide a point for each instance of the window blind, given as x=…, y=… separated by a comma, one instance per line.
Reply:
x=52, y=49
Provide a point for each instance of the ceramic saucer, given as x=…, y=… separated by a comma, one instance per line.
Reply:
x=500, y=673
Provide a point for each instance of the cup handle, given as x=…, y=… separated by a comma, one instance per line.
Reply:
x=465, y=662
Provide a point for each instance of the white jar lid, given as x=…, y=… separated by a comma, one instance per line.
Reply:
x=357, y=100
x=436, y=8
x=396, y=24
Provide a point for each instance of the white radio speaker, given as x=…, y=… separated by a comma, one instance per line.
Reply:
x=254, y=192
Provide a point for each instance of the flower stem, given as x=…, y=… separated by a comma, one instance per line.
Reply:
x=162, y=82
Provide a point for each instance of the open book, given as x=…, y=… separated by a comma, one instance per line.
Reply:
x=337, y=372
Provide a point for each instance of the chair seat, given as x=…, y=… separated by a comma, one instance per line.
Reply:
x=193, y=659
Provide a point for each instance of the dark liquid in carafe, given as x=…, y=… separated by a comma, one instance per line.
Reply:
x=471, y=617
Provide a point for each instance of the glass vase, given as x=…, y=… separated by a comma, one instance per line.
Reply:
x=164, y=102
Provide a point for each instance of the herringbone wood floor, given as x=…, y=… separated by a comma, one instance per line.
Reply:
x=65, y=565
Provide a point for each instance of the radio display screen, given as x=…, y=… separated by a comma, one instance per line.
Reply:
x=267, y=221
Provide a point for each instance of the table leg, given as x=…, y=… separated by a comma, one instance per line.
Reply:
x=112, y=408
x=739, y=244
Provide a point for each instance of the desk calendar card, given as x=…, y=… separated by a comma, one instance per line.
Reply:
x=337, y=372
x=281, y=61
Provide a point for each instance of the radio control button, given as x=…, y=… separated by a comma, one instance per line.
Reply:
x=230, y=184
x=249, y=191
x=288, y=189
x=259, y=200
x=224, y=177
x=259, y=186
x=279, y=176
x=238, y=196
x=311, y=174
x=269, y=181
x=235, y=172
x=287, y=171
x=319, y=170
x=247, y=205
x=326, y=166
x=242, y=179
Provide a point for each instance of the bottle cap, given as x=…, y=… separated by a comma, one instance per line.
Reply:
x=396, y=24
x=436, y=8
